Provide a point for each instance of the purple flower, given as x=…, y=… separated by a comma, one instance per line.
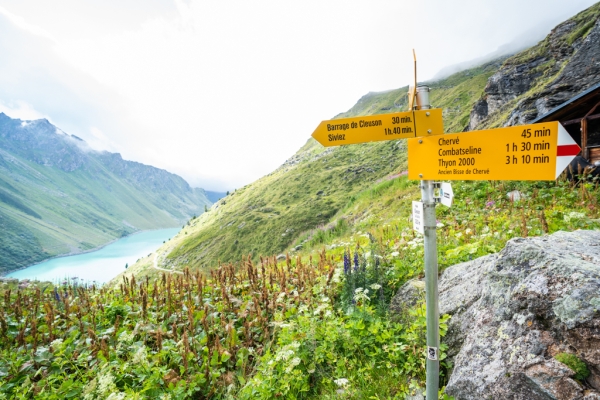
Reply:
x=346, y=262
x=355, y=261
x=490, y=203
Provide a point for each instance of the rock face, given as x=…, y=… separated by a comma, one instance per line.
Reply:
x=562, y=65
x=512, y=312
x=515, y=310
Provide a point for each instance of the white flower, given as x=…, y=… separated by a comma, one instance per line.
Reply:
x=295, y=361
x=105, y=383
x=574, y=215
x=361, y=295
x=394, y=254
x=341, y=382
x=320, y=309
x=375, y=286
x=303, y=308
x=468, y=231
x=284, y=354
x=126, y=337
x=337, y=275
x=56, y=344
x=89, y=389
x=140, y=356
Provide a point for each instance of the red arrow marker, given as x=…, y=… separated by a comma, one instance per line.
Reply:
x=566, y=150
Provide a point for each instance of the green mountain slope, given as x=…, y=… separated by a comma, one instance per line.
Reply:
x=307, y=192
x=310, y=198
x=57, y=196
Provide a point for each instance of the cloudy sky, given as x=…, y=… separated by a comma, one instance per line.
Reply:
x=223, y=92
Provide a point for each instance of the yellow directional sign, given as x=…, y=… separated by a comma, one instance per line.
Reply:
x=529, y=152
x=374, y=128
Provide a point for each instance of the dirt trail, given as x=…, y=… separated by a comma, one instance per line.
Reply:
x=162, y=269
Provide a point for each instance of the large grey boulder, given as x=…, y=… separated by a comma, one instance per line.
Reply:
x=512, y=312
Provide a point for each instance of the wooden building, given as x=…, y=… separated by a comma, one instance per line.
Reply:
x=581, y=118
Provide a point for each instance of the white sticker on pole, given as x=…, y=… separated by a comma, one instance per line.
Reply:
x=446, y=194
x=417, y=214
x=432, y=353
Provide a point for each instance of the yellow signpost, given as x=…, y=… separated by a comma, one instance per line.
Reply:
x=375, y=128
x=529, y=152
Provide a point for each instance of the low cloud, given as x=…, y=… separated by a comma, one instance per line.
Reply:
x=223, y=93
x=21, y=110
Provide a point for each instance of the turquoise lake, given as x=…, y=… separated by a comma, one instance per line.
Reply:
x=100, y=265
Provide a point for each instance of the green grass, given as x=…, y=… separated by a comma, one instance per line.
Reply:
x=572, y=361
x=584, y=21
x=301, y=328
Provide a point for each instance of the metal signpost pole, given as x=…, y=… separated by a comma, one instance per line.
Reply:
x=485, y=149
x=431, y=272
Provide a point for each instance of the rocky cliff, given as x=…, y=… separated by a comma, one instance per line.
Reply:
x=534, y=81
x=515, y=314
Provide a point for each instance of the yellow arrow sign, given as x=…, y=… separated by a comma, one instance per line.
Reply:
x=374, y=128
x=529, y=152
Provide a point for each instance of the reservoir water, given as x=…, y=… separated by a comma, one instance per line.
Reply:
x=100, y=265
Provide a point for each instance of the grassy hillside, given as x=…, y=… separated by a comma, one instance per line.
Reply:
x=307, y=192
x=315, y=326
x=56, y=198
x=280, y=212
x=454, y=94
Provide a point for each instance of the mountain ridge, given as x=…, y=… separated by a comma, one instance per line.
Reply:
x=58, y=196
